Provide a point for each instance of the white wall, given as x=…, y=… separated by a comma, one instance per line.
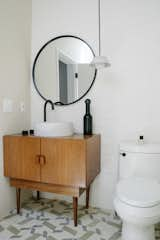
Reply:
x=15, y=25
x=125, y=98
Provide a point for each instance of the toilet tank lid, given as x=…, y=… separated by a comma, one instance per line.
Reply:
x=136, y=147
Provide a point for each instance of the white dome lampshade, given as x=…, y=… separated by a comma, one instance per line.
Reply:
x=100, y=62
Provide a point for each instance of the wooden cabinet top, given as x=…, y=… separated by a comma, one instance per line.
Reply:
x=73, y=137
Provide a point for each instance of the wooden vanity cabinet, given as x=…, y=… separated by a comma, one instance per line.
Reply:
x=65, y=165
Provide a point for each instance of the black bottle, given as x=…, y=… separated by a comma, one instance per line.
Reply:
x=87, y=119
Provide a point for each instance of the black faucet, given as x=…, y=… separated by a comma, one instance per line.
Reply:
x=45, y=105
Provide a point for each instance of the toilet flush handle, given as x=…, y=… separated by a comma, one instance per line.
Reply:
x=123, y=154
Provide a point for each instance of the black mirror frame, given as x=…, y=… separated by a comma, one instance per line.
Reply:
x=34, y=64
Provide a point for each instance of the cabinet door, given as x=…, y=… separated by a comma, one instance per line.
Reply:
x=21, y=157
x=65, y=162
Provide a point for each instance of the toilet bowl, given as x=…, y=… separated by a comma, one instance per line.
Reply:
x=137, y=202
x=137, y=197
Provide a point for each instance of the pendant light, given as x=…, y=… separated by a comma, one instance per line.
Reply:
x=100, y=61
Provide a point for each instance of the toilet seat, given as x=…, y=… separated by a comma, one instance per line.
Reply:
x=139, y=192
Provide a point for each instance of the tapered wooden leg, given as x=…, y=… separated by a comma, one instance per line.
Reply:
x=18, y=195
x=75, y=206
x=87, y=196
x=38, y=195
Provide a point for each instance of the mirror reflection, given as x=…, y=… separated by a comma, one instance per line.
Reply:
x=62, y=71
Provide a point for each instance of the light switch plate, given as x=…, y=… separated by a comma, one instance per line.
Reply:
x=7, y=105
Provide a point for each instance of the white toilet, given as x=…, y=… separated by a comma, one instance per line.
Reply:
x=137, y=197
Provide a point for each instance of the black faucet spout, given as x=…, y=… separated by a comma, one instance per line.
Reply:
x=45, y=107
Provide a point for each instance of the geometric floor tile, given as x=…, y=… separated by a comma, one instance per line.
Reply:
x=52, y=220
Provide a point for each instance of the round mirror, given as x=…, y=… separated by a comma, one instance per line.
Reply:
x=62, y=70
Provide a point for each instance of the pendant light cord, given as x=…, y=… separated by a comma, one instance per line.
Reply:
x=99, y=25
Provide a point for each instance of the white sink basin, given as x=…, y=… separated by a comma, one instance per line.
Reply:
x=54, y=129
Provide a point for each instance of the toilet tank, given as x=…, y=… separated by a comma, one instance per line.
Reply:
x=139, y=160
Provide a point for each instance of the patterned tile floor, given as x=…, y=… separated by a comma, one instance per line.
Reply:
x=52, y=220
